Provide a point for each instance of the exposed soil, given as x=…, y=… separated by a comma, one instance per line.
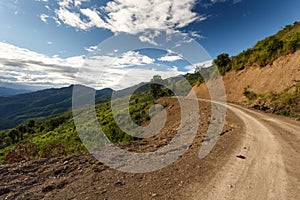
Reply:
x=283, y=73
x=83, y=177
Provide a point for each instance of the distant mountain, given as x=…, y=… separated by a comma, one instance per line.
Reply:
x=10, y=91
x=19, y=108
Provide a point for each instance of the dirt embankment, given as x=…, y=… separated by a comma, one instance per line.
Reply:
x=281, y=74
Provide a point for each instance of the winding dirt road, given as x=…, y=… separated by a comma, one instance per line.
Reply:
x=269, y=166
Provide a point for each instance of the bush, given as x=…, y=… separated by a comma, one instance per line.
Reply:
x=249, y=94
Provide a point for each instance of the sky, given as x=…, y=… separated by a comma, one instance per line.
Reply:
x=118, y=43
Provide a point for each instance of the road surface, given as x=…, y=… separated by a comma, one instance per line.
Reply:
x=270, y=169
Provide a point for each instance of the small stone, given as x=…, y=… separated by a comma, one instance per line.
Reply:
x=241, y=157
x=4, y=191
x=119, y=183
x=96, y=169
x=48, y=188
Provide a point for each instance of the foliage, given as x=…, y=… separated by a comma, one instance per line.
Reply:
x=57, y=136
x=286, y=103
x=250, y=95
x=158, y=87
x=264, y=52
x=223, y=63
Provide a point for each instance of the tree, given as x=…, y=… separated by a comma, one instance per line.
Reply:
x=15, y=135
x=222, y=61
x=22, y=128
x=156, y=86
x=294, y=43
x=31, y=123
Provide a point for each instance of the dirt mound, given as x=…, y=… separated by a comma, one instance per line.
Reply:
x=281, y=74
x=83, y=177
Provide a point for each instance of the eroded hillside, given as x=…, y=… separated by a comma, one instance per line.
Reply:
x=283, y=73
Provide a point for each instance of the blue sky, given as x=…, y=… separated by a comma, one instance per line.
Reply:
x=44, y=43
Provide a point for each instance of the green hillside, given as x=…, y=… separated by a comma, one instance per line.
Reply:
x=57, y=136
x=286, y=41
x=264, y=52
x=17, y=109
x=4, y=92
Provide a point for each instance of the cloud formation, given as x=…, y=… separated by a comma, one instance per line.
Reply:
x=22, y=66
x=27, y=67
x=147, y=17
x=170, y=58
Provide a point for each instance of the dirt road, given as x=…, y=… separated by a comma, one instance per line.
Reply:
x=269, y=164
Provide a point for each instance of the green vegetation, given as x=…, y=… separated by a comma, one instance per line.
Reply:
x=17, y=109
x=264, y=52
x=57, y=136
x=158, y=88
x=286, y=103
x=249, y=94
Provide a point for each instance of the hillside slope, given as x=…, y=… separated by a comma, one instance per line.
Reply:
x=10, y=91
x=283, y=73
x=17, y=109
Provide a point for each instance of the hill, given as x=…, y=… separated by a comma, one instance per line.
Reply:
x=271, y=86
x=10, y=91
x=17, y=109
x=266, y=51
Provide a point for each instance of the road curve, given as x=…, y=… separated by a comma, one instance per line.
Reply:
x=270, y=170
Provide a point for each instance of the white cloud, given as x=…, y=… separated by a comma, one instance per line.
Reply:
x=127, y=59
x=91, y=49
x=170, y=58
x=94, y=18
x=72, y=19
x=208, y=3
x=127, y=16
x=44, y=17
x=22, y=66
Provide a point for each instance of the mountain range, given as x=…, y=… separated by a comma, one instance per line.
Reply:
x=4, y=91
x=17, y=109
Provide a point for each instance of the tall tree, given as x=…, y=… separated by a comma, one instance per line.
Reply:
x=156, y=86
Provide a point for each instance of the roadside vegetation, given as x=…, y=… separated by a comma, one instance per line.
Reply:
x=285, y=42
x=286, y=103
